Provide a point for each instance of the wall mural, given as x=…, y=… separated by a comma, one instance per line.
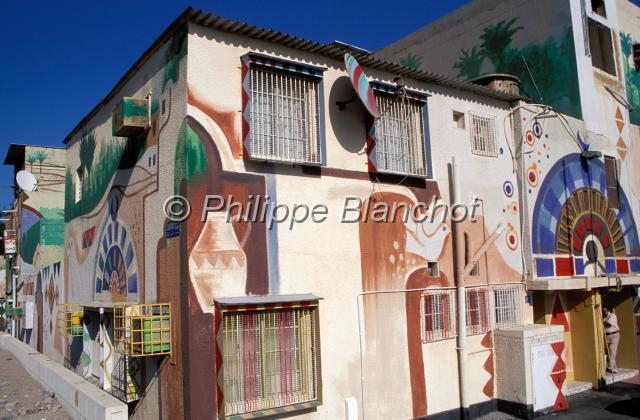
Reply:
x=631, y=76
x=547, y=70
x=572, y=216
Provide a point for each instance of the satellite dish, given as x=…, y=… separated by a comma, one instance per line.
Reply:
x=26, y=181
x=361, y=85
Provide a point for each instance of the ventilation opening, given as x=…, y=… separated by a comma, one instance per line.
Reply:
x=433, y=269
x=458, y=120
x=601, y=45
x=597, y=7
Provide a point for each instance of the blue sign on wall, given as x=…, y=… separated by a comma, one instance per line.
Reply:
x=172, y=229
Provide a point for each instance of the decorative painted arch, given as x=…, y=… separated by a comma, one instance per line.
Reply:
x=116, y=276
x=572, y=209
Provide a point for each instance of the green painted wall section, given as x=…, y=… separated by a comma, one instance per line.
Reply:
x=190, y=159
x=631, y=76
x=547, y=71
x=98, y=176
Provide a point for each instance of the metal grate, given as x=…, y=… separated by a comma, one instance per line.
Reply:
x=508, y=300
x=285, y=116
x=399, y=134
x=477, y=310
x=483, y=135
x=269, y=359
x=439, y=315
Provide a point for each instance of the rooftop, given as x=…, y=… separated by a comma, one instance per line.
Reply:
x=334, y=50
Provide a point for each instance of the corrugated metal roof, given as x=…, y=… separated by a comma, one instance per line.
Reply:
x=332, y=50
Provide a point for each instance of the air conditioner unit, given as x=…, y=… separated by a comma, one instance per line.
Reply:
x=130, y=117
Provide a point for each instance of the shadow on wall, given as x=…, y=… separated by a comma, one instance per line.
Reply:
x=349, y=133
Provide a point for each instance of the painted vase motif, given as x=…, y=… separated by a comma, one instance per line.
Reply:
x=218, y=264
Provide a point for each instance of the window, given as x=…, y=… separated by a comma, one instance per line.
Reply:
x=270, y=358
x=438, y=315
x=611, y=175
x=508, y=305
x=636, y=57
x=483, y=135
x=597, y=7
x=285, y=116
x=458, y=120
x=399, y=136
x=601, y=47
x=79, y=183
x=477, y=310
x=433, y=269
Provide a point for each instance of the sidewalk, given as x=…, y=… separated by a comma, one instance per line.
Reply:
x=621, y=401
x=21, y=397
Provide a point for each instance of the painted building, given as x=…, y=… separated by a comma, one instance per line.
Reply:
x=576, y=156
x=301, y=318
x=38, y=220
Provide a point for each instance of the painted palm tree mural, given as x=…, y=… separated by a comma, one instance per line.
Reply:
x=547, y=70
x=411, y=61
x=631, y=76
x=469, y=64
x=40, y=156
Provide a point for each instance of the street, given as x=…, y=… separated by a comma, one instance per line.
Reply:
x=21, y=397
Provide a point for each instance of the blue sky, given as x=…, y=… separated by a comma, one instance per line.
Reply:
x=60, y=58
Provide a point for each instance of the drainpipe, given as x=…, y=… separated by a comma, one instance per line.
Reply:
x=13, y=309
x=459, y=263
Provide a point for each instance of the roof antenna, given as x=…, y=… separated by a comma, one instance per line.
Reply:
x=532, y=79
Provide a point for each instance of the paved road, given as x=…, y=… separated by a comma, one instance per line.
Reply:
x=21, y=397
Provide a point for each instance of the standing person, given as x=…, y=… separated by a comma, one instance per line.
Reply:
x=612, y=335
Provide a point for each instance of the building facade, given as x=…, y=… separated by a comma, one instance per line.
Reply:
x=577, y=154
x=37, y=219
x=272, y=317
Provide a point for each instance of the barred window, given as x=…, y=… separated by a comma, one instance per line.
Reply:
x=269, y=359
x=483, y=135
x=438, y=315
x=285, y=116
x=508, y=301
x=399, y=136
x=477, y=310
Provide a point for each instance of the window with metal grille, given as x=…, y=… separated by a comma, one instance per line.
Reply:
x=399, y=134
x=285, y=116
x=508, y=301
x=438, y=315
x=269, y=359
x=477, y=310
x=483, y=135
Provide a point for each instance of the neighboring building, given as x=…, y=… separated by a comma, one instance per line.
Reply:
x=303, y=319
x=38, y=220
x=578, y=170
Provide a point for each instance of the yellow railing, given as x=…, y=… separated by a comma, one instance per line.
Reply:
x=70, y=320
x=142, y=329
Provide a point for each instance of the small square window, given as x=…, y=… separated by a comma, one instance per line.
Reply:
x=163, y=107
x=598, y=7
x=438, y=315
x=458, y=120
x=433, y=269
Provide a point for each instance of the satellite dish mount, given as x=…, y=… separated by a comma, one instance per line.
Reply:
x=26, y=181
x=343, y=104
